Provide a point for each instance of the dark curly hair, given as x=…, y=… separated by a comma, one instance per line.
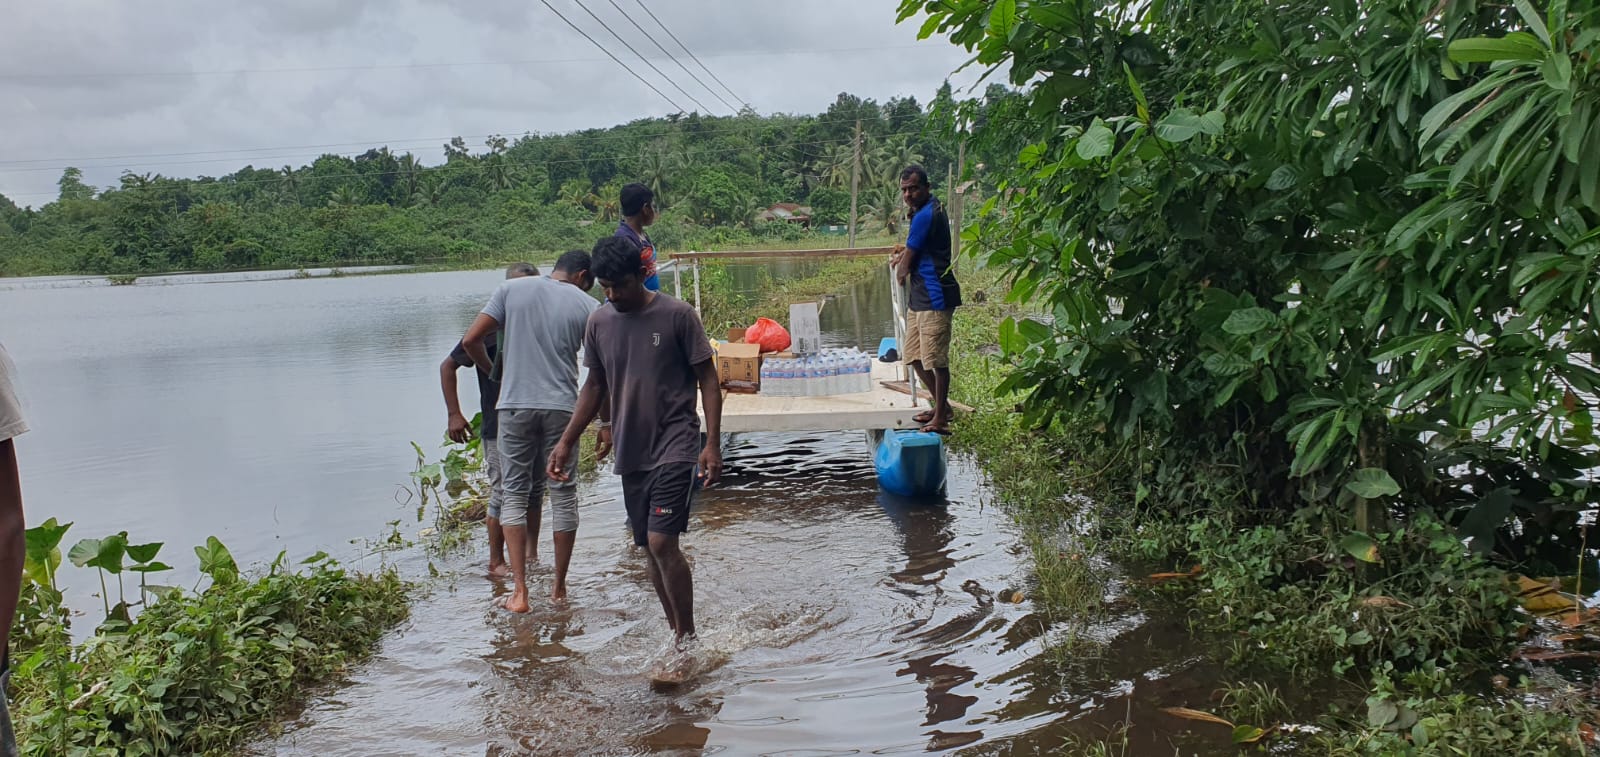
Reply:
x=615, y=258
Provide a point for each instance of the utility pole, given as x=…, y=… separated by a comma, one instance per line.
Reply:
x=959, y=198
x=855, y=182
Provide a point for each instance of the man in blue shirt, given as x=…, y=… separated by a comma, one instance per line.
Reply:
x=924, y=263
x=638, y=211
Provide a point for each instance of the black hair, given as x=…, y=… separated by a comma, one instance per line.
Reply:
x=616, y=258
x=522, y=269
x=917, y=171
x=573, y=261
x=634, y=197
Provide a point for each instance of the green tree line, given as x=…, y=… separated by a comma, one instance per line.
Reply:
x=511, y=197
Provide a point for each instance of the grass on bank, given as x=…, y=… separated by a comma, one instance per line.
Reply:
x=1409, y=649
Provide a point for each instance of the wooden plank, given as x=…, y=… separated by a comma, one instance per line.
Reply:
x=904, y=387
x=859, y=252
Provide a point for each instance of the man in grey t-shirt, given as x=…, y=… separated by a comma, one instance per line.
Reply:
x=541, y=320
x=647, y=356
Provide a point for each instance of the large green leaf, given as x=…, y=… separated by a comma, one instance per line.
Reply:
x=1097, y=141
x=1003, y=18
x=1248, y=321
x=1486, y=517
x=1183, y=124
x=1372, y=483
x=1519, y=46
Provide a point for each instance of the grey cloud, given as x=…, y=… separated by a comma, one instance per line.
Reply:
x=101, y=70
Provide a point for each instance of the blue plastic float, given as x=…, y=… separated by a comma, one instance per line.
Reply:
x=909, y=463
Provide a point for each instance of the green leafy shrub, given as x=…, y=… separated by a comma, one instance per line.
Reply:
x=192, y=672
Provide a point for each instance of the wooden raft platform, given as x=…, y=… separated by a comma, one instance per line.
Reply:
x=880, y=408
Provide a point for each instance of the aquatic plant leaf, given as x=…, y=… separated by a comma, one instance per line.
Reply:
x=112, y=549
x=151, y=567
x=83, y=552
x=216, y=561
x=1188, y=714
x=144, y=552
x=42, y=550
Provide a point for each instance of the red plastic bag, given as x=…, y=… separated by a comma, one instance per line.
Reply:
x=770, y=334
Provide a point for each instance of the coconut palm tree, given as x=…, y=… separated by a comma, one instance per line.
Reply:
x=290, y=183
x=834, y=165
x=658, y=169
x=889, y=156
x=410, y=170
x=344, y=197
x=429, y=193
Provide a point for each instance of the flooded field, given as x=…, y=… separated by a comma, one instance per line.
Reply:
x=835, y=620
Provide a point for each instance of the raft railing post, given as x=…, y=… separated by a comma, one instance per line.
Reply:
x=697, y=284
x=901, y=302
x=677, y=278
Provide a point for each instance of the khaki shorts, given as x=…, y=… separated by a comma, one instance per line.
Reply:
x=927, y=338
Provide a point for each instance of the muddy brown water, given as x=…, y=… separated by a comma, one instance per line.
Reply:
x=835, y=619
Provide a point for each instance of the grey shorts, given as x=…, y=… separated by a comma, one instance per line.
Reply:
x=526, y=439
x=497, y=489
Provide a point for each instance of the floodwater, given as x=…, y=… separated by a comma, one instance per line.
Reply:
x=835, y=620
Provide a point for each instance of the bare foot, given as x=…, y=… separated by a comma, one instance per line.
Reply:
x=558, y=593
x=499, y=571
x=674, y=670
x=517, y=602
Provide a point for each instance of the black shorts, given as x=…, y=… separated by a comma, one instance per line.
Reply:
x=658, y=500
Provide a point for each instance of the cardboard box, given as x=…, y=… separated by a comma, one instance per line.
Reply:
x=805, y=328
x=739, y=367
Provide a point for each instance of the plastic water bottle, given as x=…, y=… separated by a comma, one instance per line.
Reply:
x=783, y=382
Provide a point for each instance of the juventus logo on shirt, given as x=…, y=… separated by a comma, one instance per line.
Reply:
x=655, y=340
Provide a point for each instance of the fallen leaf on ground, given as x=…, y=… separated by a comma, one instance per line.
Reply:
x=1541, y=598
x=1188, y=714
x=1192, y=572
x=1381, y=601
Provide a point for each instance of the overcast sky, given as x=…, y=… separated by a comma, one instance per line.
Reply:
x=109, y=85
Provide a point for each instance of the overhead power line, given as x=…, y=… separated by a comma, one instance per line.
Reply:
x=672, y=57
x=691, y=53
x=640, y=55
x=603, y=49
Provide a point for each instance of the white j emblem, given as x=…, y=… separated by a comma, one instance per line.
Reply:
x=655, y=340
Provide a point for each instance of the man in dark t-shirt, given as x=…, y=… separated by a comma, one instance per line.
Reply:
x=459, y=431
x=648, y=358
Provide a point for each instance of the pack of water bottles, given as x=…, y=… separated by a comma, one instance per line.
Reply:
x=831, y=371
